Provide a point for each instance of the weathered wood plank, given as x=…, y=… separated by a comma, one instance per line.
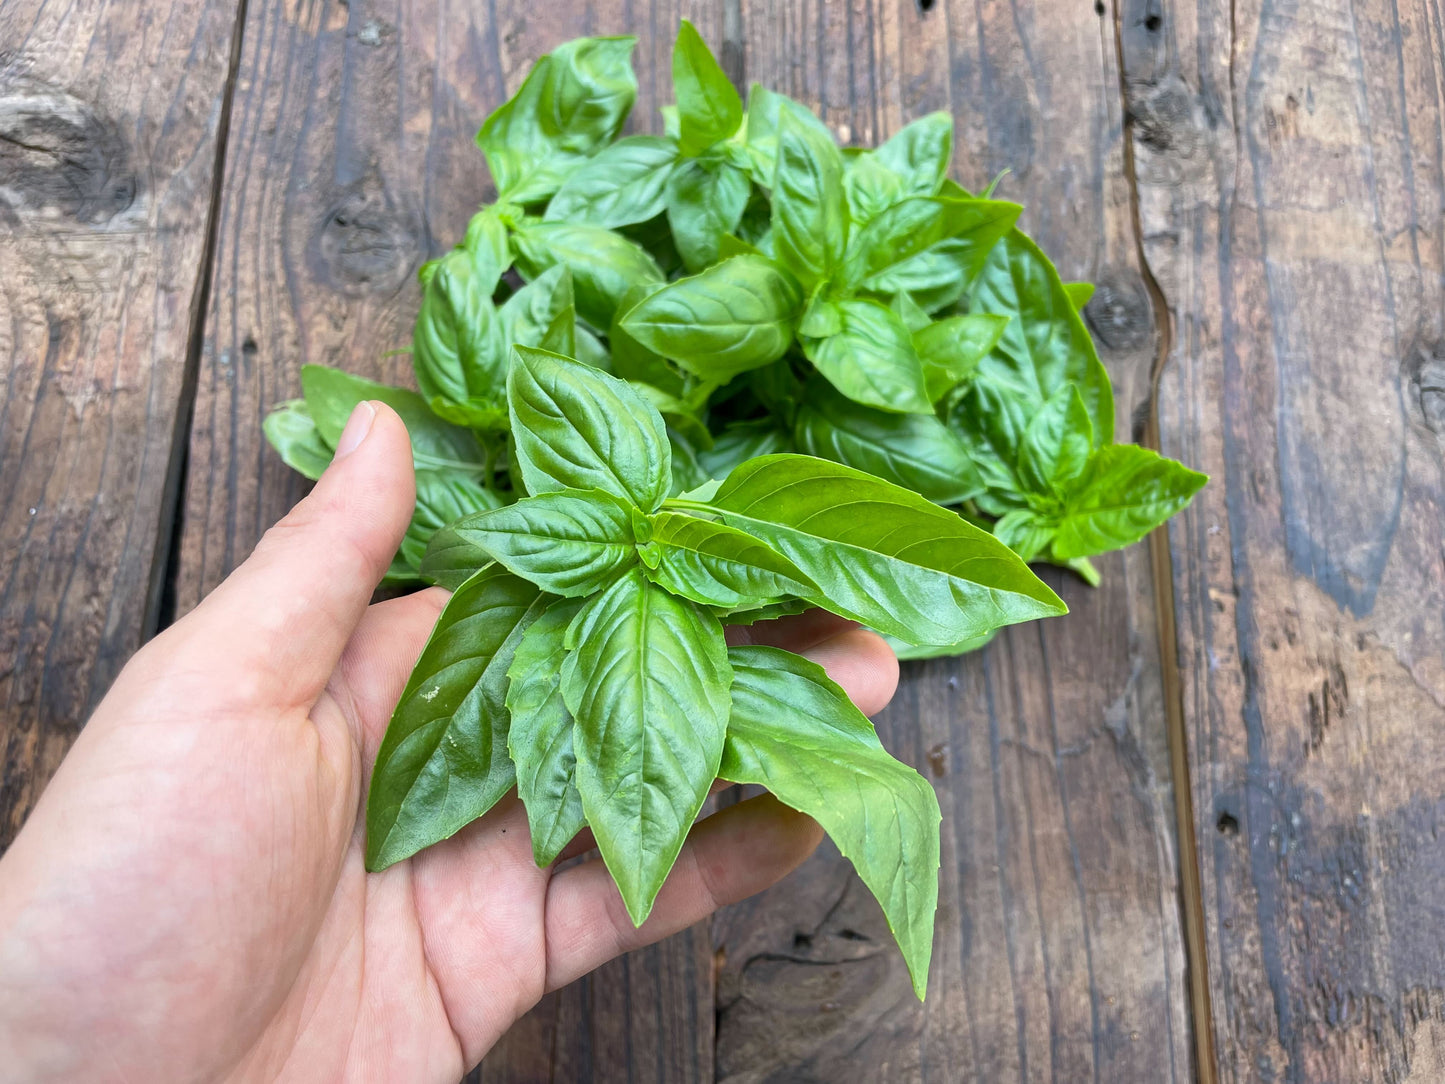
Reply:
x=109, y=124
x=1291, y=181
x=1059, y=954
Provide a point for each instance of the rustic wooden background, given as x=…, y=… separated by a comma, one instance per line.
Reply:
x=1190, y=832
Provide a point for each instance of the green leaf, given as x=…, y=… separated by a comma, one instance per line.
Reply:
x=604, y=265
x=647, y=681
x=577, y=428
x=708, y=106
x=293, y=433
x=1045, y=345
x=679, y=415
x=1080, y=294
x=687, y=474
x=542, y=314
x=991, y=420
x=489, y=247
x=457, y=348
x=705, y=201
x=810, y=215
x=442, y=497
x=733, y=317
x=751, y=615
x=872, y=359
x=915, y=451
x=717, y=565
x=450, y=560
x=821, y=318
x=620, y=185
x=540, y=738
x=761, y=140
x=902, y=231
x=911, y=314
x=907, y=652
x=569, y=542
x=870, y=186
x=919, y=154
x=1057, y=443
x=572, y=103
x=1124, y=493
x=1023, y=531
x=443, y=762
x=331, y=395
x=883, y=555
x=950, y=350
x=936, y=278
x=742, y=441
x=633, y=361
x=794, y=731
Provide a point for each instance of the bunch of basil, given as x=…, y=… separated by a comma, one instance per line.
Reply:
x=720, y=375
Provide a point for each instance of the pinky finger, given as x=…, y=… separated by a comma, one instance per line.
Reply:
x=728, y=857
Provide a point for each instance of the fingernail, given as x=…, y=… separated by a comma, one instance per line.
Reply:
x=357, y=428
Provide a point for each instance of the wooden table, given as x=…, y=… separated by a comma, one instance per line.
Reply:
x=1191, y=831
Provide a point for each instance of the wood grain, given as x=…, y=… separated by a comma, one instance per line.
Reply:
x=1291, y=185
x=1058, y=954
x=109, y=124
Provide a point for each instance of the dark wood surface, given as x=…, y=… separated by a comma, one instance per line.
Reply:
x=1258, y=189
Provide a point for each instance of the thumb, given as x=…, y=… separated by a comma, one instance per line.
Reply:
x=286, y=613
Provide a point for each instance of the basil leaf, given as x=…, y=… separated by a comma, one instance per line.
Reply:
x=907, y=652
x=708, y=107
x=1057, y=443
x=687, y=474
x=540, y=738
x=880, y=554
x=677, y=414
x=1080, y=294
x=569, y=542
x=761, y=140
x=490, y=249
x=870, y=187
x=647, y=681
x=542, y=314
x=733, y=317
x=821, y=318
x=950, y=350
x=742, y=441
x=919, y=153
x=1024, y=532
x=794, y=731
x=915, y=451
x=871, y=360
x=293, y=433
x=605, y=265
x=810, y=217
x=705, y=200
x=621, y=185
x=935, y=278
x=1045, y=345
x=902, y=231
x=751, y=615
x=331, y=395
x=991, y=421
x=1125, y=492
x=716, y=565
x=443, y=762
x=577, y=428
x=633, y=361
x=457, y=350
x=572, y=103
x=450, y=560
x=442, y=497
x=911, y=314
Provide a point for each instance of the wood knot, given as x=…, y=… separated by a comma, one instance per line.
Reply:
x=58, y=155
x=1119, y=313
x=1425, y=369
x=1170, y=132
x=366, y=243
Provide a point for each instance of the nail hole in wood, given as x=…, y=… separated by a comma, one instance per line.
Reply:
x=1152, y=23
x=925, y=6
x=1227, y=824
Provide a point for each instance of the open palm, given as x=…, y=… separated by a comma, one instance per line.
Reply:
x=188, y=900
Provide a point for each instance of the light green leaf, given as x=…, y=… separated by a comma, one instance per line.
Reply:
x=871, y=360
x=902, y=231
x=457, y=349
x=1056, y=444
x=794, y=731
x=293, y=433
x=577, y=428
x=717, y=565
x=1080, y=294
x=950, y=350
x=911, y=314
x=442, y=497
x=870, y=186
x=705, y=200
x=618, y=186
x=919, y=153
x=708, y=106
x=761, y=130
x=810, y=215
x=540, y=738
x=490, y=248
x=883, y=555
x=570, y=542
x=907, y=652
x=1124, y=493
x=604, y=265
x=443, y=762
x=647, y=680
x=733, y=317
x=1023, y=531
x=542, y=314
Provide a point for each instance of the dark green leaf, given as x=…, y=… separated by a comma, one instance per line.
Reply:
x=647, y=681
x=490, y=248
x=915, y=451
x=450, y=560
x=794, y=731
x=1057, y=443
x=736, y=316
x=991, y=421
x=1125, y=492
x=542, y=314
x=457, y=349
x=633, y=361
x=751, y=615
x=950, y=350
x=687, y=474
x=293, y=433
x=705, y=200
x=442, y=497
x=742, y=441
x=678, y=414
x=605, y=265
x=443, y=762
x=810, y=216
x=717, y=565
x=872, y=359
x=883, y=555
x=708, y=106
x=570, y=542
x=621, y=185
x=919, y=154
x=902, y=231
x=540, y=738
x=577, y=428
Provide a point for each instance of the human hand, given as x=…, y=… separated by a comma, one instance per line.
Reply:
x=188, y=900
